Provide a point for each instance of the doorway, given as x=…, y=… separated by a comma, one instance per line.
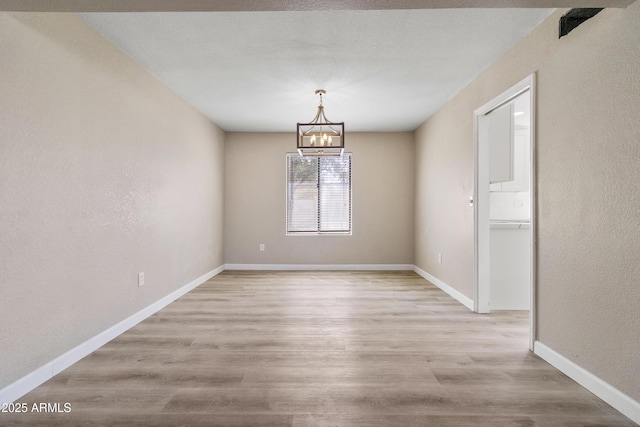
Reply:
x=504, y=208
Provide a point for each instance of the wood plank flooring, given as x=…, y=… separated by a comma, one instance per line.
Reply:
x=318, y=349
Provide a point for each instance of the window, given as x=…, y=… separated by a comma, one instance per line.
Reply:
x=318, y=194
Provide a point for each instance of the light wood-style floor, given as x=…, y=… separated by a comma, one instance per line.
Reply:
x=318, y=349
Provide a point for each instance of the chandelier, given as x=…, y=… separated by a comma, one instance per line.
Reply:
x=320, y=137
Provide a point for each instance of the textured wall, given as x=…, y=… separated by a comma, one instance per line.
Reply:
x=444, y=183
x=104, y=173
x=255, y=202
x=588, y=158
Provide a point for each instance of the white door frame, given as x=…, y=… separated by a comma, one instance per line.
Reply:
x=481, y=275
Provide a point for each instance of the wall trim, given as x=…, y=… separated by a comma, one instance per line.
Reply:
x=24, y=385
x=605, y=391
x=311, y=267
x=462, y=299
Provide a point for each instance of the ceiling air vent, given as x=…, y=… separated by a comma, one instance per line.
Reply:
x=575, y=17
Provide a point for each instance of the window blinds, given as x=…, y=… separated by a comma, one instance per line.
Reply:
x=318, y=194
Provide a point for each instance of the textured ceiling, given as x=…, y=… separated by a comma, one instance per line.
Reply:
x=253, y=65
x=383, y=70
x=238, y=5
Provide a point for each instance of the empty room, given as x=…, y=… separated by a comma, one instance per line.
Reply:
x=309, y=213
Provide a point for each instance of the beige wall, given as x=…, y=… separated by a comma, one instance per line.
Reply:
x=255, y=200
x=444, y=183
x=588, y=155
x=104, y=173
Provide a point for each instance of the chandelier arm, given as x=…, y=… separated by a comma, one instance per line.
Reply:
x=333, y=129
x=319, y=114
x=324, y=117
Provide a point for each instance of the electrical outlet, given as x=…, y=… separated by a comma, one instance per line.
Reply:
x=439, y=258
x=261, y=247
x=140, y=279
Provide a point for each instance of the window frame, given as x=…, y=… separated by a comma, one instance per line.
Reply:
x=318, y=232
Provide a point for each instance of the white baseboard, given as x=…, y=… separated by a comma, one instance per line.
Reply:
x=32, y=380
x=311, y=267
x=462, y=299
x=605, y=391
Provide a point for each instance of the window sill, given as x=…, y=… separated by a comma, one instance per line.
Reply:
x=315, y=233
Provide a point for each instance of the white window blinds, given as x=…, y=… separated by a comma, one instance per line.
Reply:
x=318, y=194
